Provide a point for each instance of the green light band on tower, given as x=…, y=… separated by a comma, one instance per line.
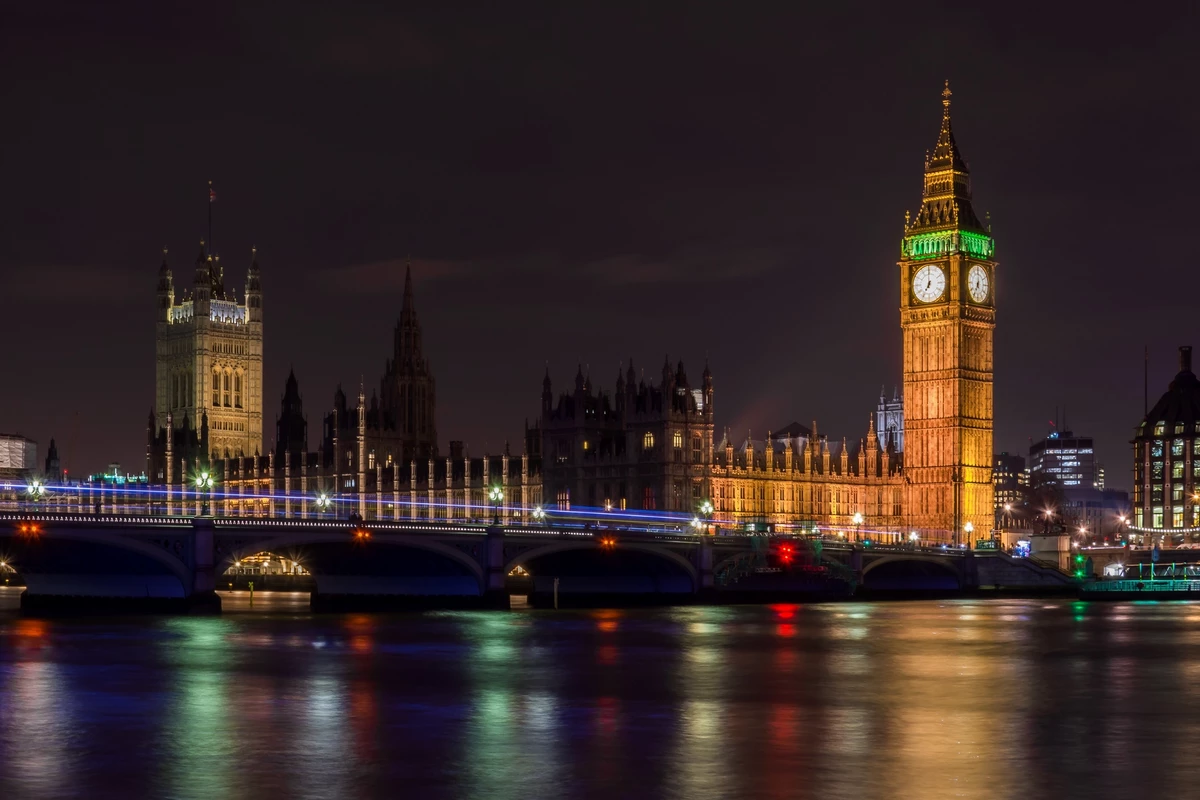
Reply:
x=941, y=243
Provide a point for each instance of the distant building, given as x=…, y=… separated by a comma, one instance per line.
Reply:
x=889, y=421
x=1166, y=463
x=1063, y=459
x=18, y=456
x=1008, y=477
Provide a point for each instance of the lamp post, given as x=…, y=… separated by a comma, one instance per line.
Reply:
x=204, y=483
x=496, y=494
x=1122, y=523
x=36, y=490
x=858, y=521
x=968, y=529
x=539, y=514
x=323, y=502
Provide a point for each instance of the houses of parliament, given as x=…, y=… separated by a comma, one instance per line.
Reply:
x=922, y=464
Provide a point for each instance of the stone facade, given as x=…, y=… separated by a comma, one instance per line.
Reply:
x=948, y=315
x=649, y=447
x=209, y=357
x=644, y=446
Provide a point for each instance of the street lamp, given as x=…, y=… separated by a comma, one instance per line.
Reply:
x=858, y=521
x=36, y=490
x=697, y=523
x=914, y=537
x=539, y=514
x=323, y=502
x=706, y=508
x=968, y=529
x=204, y=483
x=496, y=494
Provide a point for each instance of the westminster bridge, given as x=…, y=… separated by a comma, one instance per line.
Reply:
x=82, y=561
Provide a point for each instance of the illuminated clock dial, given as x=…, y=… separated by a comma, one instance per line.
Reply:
x=929, y=283
x=977, y=283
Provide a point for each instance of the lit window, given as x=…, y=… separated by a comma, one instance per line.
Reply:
x=371, y=460
x=586, y=444
x=1179, y=427
x=1177, y=447
x=1156, y=469
x=1177, y=491
x=1177, y=517
x=1156, y=448
x=647, y=440
x=1158, y=428
x=1177, y=469
x=1158, y=517
x=677, y=440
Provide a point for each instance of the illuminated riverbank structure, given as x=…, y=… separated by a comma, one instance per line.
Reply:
x=649, y=447
x=1166, y=451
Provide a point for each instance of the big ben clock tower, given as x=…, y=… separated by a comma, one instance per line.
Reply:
x=948, y=314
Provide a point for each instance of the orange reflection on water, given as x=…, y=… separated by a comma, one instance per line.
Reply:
x=607, y=655
x=607, y=619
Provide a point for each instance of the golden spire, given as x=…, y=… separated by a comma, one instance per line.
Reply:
x=946, y=94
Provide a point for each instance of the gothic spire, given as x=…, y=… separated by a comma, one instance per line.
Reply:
x=946, y=196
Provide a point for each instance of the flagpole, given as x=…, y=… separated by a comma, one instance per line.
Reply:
x=210, y=202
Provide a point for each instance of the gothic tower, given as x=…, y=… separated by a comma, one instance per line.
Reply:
x=208, y=356
x=947, y=314
x=408, y=392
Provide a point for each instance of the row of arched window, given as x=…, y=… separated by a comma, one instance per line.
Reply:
x=227, y=388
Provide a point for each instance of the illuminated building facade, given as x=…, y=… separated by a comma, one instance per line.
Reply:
x=797, y=477
x=18, y=456
x=947, y=315
x=1166, y=451
x=650, y=447
x=1064, y=459
x=1008, y=478
x=209, y=359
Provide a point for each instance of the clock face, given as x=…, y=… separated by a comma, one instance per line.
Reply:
x=929, y=283
x=977, y=283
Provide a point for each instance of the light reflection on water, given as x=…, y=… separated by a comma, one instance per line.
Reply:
x=992, y=699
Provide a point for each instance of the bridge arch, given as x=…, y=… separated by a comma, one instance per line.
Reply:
x=585, y=545
x=299, y=540
x=25, y=551
x=945, y=563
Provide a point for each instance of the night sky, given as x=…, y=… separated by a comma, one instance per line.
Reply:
x=580, y=183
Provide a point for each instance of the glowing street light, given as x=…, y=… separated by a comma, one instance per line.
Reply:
x=969, y=527
x=539, y=514
x=858, y=521
x=706, y=508
x=323, y=502
x=204, y=483
x=913, y=536
x=36, y=489
x=496, y=495
x=697, y=523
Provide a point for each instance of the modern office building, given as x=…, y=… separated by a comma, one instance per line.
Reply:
x=1064, y=459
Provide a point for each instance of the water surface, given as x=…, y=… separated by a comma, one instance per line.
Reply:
x=938, y=699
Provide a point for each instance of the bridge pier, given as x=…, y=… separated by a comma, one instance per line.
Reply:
x=494, y=593
x=204, y=580
x=706, y=590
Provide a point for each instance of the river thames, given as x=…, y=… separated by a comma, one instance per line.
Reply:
x=931, y=699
